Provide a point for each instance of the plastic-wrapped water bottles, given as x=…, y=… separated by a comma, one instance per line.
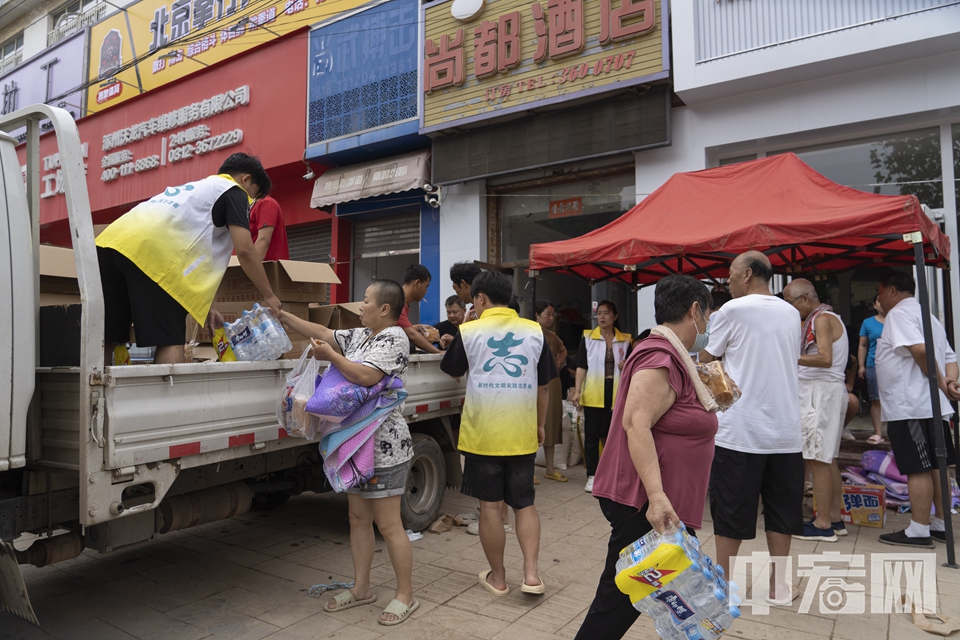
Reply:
x=670, y=579
x=257, y=335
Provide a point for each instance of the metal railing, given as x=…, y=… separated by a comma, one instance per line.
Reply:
x=69, y=26
x=10, y=62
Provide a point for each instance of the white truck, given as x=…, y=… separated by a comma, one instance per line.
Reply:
x=109, y=457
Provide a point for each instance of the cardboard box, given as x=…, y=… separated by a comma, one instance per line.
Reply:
x=863, y=504
x=232, y=310
x=60, y=335
x=337, y=316
x=291, y=281
x=58, y=272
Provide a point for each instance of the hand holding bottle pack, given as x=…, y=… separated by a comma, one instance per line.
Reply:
x=257, y=335
x=670, y=579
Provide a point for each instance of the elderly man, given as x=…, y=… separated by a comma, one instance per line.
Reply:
x=456, y=310
x=824, y=352
x=759, y=444
x=901, y=362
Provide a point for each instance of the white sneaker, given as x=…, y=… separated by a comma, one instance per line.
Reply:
x=474, y=528
x=589, y=486
x=846, y=435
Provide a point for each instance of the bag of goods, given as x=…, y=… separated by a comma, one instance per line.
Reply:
x=721, y=386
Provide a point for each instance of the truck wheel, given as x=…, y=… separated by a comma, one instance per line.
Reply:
x=421, y=503
x=268, y=501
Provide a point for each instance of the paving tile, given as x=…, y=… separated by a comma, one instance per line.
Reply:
x=206, y=613
x=458, y=620
x=92, y=630
x=15, y=628
x=240, y=628
x=145, y=623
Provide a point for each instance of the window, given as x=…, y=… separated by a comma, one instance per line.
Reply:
x=12, y=47
x=74, y=8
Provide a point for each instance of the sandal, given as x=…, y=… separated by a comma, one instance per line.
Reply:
x=875, y=439
x=346, y=600
x=489, y=587
x=786, y=602
x=556, y=475
x=535, y=589
x=536, y=480
x=400, y=610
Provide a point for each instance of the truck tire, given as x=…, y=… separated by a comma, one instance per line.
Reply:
x=268, y=501
x=421, y=503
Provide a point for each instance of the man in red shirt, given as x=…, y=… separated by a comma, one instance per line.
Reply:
x=268, y=231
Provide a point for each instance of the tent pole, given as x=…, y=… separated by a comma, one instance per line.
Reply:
x=940, y=447
x=951, y=338
x=533, y=296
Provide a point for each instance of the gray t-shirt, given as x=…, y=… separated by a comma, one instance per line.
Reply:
x=388, y=351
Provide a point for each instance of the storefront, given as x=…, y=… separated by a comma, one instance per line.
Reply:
x=536, y=119
x=362, y=119
x=183, y=131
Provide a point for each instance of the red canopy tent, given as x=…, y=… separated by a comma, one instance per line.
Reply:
x=696, y=223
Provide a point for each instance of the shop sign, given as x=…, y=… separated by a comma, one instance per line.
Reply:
x=565, y=208
x=515, y=55
x=153, y=42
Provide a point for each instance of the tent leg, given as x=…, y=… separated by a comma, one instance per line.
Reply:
x=951, y=338
x=533, y=297
x=940, y=446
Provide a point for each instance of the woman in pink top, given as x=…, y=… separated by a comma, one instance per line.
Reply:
x=656, y=464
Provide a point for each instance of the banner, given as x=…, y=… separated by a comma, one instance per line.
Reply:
x=153, y=42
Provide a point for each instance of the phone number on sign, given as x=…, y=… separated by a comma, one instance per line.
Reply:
x=207, y=145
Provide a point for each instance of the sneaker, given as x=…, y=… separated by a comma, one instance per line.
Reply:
x=589, y=486
x=839, y=528
x=901, y=539
x=846, y=435
x=939, y=536
x=813, y=532
x=474, y=528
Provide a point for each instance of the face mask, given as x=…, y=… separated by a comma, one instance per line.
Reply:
x=703, y=339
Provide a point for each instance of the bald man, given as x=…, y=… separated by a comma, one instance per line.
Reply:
x=759, y=445
x=824, y=351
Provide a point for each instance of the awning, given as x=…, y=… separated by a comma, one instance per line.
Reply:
x=391, y=175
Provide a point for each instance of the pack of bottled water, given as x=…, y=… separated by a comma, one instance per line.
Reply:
x=669, y=578
x=257, y=335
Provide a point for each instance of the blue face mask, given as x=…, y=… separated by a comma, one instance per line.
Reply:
x=703, y=339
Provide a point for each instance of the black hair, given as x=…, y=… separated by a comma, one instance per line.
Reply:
x=543, y=306
x=494, y=285
x=643, y=335
x=675, y=294
x=899, y=281
x=242, y=163
x=514, y=304
x=416, y=272
x=465, y=271
x=609, y=305
x=718, y=298
x=761, y=268
x=390, y=293
x=571, y=362
x=455, y=300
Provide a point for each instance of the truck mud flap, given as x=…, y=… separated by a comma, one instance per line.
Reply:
x=13, y=591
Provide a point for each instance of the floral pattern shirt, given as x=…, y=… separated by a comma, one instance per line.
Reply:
x=389, y=352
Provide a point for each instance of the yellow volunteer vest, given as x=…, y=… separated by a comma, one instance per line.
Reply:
x=172, y=239
x=592, y=393
x=500, y=409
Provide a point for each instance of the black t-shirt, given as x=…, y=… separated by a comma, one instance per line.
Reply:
x=232, y=208
x=455, y=362
x=446, y=328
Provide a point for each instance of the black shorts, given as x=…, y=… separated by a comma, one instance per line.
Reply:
x=739, y=480
x=130, y=296
x=914, y=447
x=496, y=478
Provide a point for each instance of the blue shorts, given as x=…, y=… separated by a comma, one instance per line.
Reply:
x=872, y=390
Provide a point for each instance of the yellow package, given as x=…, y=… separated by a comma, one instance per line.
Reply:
x=224, y=350
x=121, y=355
x=655, y=572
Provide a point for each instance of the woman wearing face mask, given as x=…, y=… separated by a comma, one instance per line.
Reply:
x=599, y=361
x=656, y=464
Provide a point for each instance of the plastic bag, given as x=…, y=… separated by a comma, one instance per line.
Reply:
x=721, y=386
x=300, y=384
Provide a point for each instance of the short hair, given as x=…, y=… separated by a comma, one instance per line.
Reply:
x=493, y=284
x=416, y=272
x=465, y=271
x=674, y=296
x=242, y=163
x=455, y=300
x=899, y=281
x=543, y=306
x=514, y=304
x=390, y=293
x=718, y=298
x=761, y=268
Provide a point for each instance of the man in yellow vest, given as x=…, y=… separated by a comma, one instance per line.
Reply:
x=165, y=258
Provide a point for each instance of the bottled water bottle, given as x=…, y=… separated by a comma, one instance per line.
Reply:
x=240, y=338
x=272, y=331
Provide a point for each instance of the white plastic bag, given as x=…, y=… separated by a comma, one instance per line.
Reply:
x=300, y=384
x=575, y=417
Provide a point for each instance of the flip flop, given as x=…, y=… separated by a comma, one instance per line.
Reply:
x=400, y=610
x=536, y=480
x=786, y=602
x=556, y=475
x=535, y=590
x=489, y=587
x=345, y=600
x=875, y=439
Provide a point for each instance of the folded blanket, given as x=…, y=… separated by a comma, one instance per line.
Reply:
x=336, y=398
x=882, y=462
